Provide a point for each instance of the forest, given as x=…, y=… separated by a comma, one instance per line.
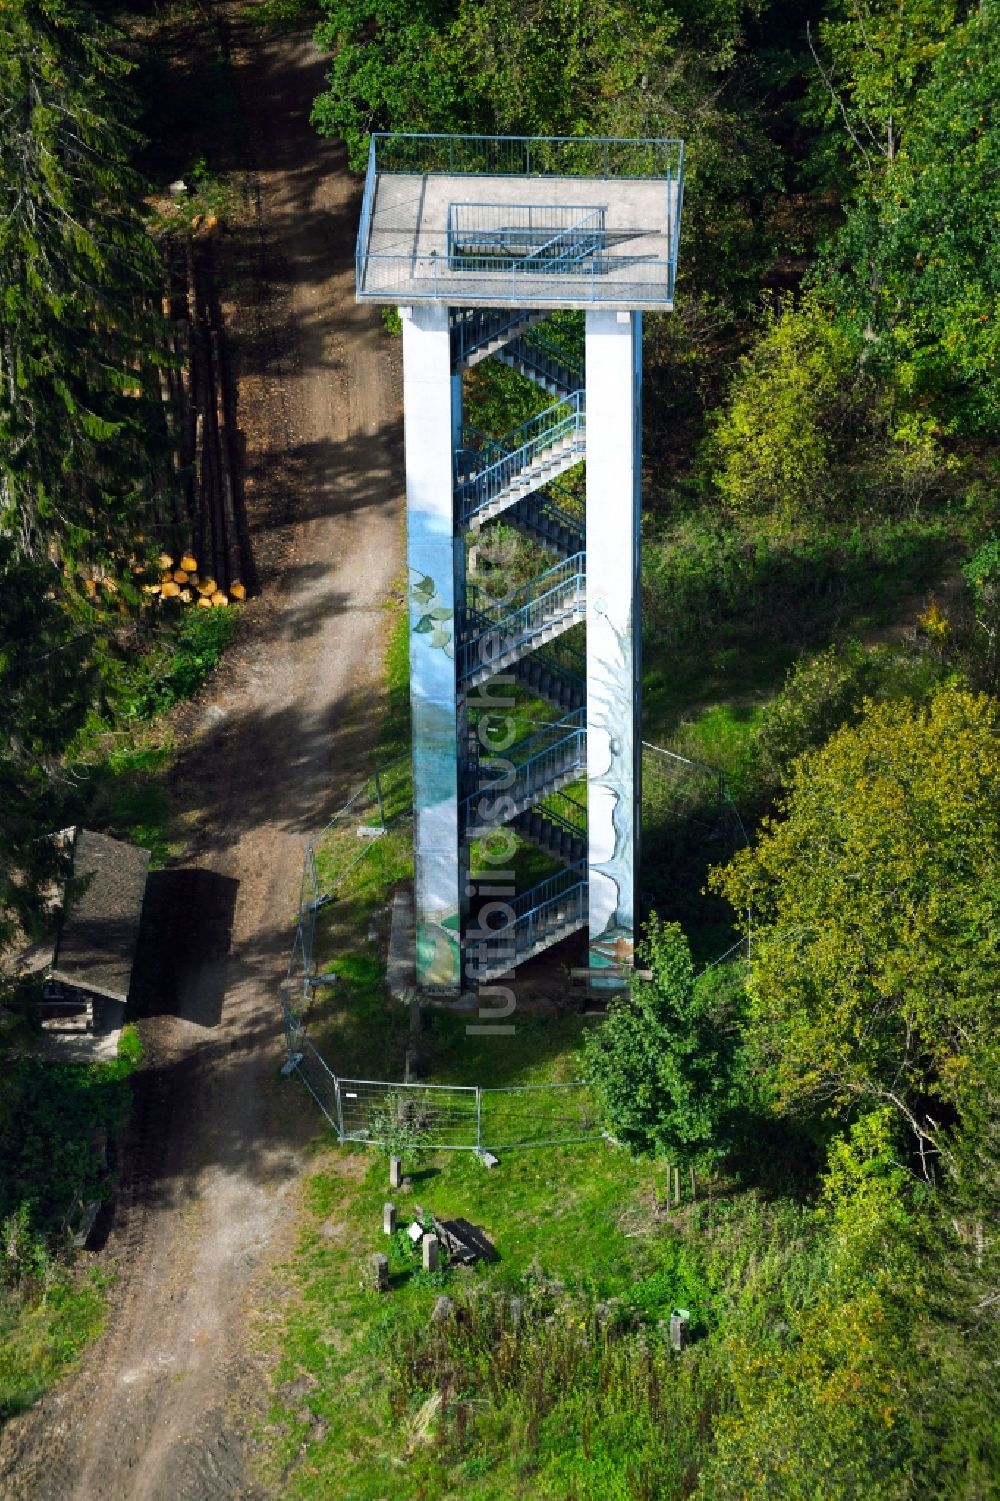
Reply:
x=821, y=609
x=821, y=580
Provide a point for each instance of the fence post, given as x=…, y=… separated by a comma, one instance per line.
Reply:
x=479, y=1118
x=378, y=798
x=340, y=1110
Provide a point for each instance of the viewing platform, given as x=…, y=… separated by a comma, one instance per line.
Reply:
x=502, y=221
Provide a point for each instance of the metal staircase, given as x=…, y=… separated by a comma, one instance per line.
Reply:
x=493, y=474
x=558, y=826
x=476, y=333
x=540, y=917
x=557, y=675
x=541, y=517
x=546, y=364
x=514, y=477
x=493, y=639
x=543, y=763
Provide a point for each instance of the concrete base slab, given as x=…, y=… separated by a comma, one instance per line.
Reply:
x=401, y=965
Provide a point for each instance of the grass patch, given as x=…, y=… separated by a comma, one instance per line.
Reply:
x=581, y=1396
x=338, y=1340
x=49, y=1114
x=40, y=1340
x=279, y=16
x=178, y=663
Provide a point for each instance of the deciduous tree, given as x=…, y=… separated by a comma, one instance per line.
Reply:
x=875, y=899
x=666, y=1064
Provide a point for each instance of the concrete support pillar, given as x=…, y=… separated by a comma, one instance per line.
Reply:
x=435, y=571
x=614, y=474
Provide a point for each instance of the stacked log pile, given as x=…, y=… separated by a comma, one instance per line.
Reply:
x=205, y=558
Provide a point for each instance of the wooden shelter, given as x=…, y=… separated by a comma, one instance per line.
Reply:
x=90, y=971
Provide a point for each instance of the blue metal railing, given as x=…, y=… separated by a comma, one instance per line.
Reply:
x=556, y=904
x=546, y=368
x=471, y=328
x=511, y=457
x=566, y=813
x=365, y=220
x=546, y=674
x=528, y=236
x=675, y=202
x=524, y=772
x=528, y=156
x=566, y=660
x=559, y=600
x=392, y=274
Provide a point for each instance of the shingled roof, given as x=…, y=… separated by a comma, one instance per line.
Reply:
x=100, y=927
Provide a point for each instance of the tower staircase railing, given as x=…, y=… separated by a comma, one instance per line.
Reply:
x=539, y=917
x=547, y=366
x=476, y=333
x=558, y=825
x=533, y=768
x=507, y=469
x=544, y=520
x=553, y=675
x=515, y=475
x=555, y=601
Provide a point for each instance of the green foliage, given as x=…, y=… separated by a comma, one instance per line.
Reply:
x=776, y=440
x=875, y=912
x=77, y=274
x=822, y=1408
x=390, y=66
x=874, y=59
x=48, y=1114
x=982, y=574
x=40, y=1338
x=200, y=638
x=914, y=271
x=24, y=1256
x=679, y=1281
x=48, y=678
x=665, y=1065
x=824, y=692
x=276, y=16
x=393, y=1128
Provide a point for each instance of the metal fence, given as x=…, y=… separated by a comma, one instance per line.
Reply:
x=527, y=156
x=350, y=848
x=454, y=1117
x=449, y=1117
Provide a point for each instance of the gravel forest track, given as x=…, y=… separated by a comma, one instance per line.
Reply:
x=156, y=1410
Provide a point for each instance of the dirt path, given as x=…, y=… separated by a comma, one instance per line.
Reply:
x=217, y=1140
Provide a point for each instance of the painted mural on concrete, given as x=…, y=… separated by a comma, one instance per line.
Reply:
x=610, y=800
x=614, y=418
x=435, y=771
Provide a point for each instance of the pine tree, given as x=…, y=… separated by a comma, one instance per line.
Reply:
x=77, y=273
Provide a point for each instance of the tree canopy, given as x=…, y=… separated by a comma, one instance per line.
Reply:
x=666, y=1065
x=915, y=269
x=875, y=902
x=77, y=272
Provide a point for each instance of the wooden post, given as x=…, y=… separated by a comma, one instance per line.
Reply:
x=232, y=544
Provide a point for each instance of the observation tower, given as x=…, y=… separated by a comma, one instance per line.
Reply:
x=523, y=569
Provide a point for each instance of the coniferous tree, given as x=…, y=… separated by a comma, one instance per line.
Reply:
x=77, y=270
